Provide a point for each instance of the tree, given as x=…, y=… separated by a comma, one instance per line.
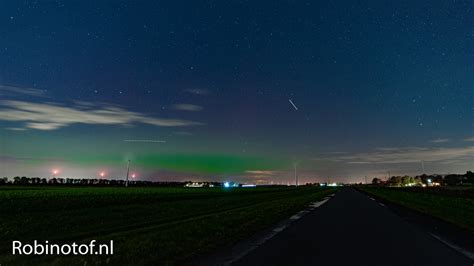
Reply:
x=24, y=180
x=418, y=181
x=469, y=177
x=376, y=181
x=407, y=180
x=453, y=180
x=396, y=181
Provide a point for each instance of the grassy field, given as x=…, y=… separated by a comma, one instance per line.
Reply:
x=455, y=205
x=149, y=226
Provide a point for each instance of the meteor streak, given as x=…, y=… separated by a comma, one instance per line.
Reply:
x=296, y=108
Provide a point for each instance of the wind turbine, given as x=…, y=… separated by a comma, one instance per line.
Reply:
x=296, y=176
x=128, y=172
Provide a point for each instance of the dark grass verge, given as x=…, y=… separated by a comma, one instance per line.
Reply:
x=191, y=233
x=456, y=210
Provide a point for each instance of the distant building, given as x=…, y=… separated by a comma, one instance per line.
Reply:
x=195, y=185
x=198, y=184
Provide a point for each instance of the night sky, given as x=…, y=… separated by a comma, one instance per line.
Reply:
x=201, y=89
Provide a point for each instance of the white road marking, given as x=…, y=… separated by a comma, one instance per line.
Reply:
x=455, y=247
x=276, y=230
x=318, y=204
x=371, y=198
x=279, y=229
x=381, y=204
x=298, y=215
x=295, y=217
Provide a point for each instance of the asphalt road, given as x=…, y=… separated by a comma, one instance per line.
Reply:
x=352, y=229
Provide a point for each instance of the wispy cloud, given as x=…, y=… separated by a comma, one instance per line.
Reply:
x=17, y=158
x=469, y=139
x=440, y=140
x=197, y=91
x=50, y=116
x=260, y=176
x=6, y=90
x=187, y=107
x=183, y=133
x=261, y=172
x=409, y=155
x=145, y=140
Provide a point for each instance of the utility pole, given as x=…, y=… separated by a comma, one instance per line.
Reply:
x=296, y=176
x=366, y=180
x=423, y=166
x=388, y=176
x=128, y=171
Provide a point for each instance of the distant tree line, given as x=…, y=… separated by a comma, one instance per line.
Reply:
x=446, y=180
x=37, y=181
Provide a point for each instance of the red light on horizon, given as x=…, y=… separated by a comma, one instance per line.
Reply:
x=102, y=174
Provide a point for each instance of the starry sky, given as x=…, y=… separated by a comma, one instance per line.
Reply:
x=236, y=90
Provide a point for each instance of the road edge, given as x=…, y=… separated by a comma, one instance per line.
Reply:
x=445, y=232
x=242, y=248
